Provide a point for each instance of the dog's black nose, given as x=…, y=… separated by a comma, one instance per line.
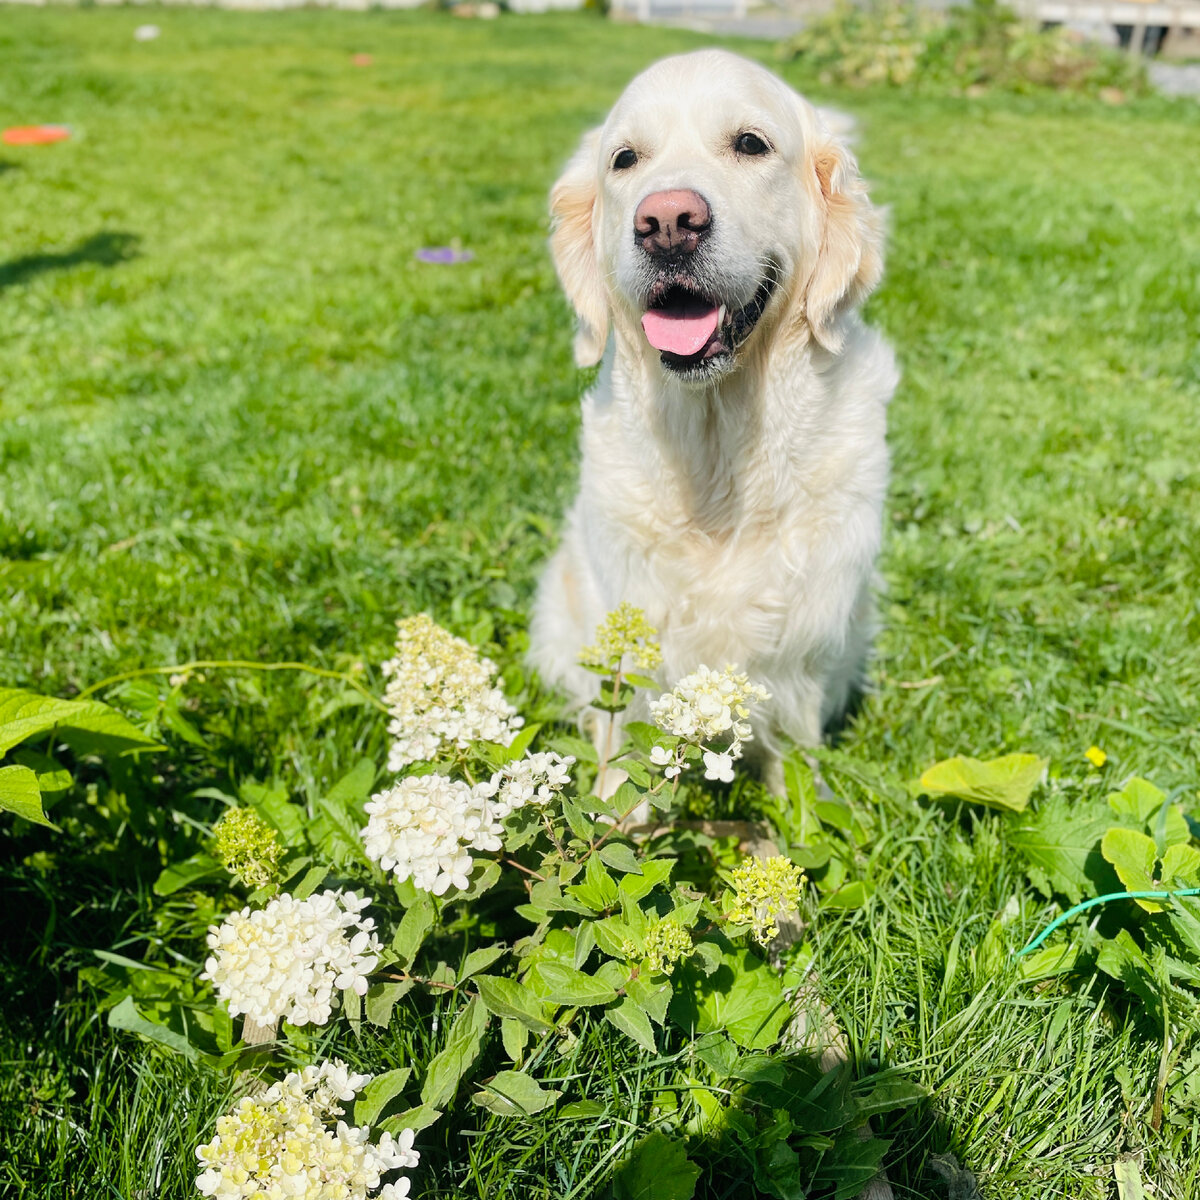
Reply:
x=671, y=222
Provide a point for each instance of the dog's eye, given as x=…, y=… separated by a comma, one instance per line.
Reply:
x=624, y=160
x=750, y=143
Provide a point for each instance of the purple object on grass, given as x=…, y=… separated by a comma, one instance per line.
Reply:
x=444, y=254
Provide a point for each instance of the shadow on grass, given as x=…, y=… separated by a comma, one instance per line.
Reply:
x=7, y=165
x=105, y=249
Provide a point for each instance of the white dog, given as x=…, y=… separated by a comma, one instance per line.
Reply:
x=715, y=240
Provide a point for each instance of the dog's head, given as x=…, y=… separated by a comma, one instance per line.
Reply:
x=712, y=209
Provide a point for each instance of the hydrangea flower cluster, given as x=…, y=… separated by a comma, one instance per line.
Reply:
x=534, y=779
x=247, y=847
x=280, y=1144
x=766, y=889
x=666, y=942
x=286, y=960
x=425, y=826
x=702, y=707
x=625, y=631
x=441, y=693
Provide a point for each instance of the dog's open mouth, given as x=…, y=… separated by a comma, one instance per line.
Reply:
x=693, y=331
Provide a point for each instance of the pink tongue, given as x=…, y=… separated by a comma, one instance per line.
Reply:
x=683, y=331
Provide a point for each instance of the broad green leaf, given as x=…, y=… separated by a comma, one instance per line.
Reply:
x=565, y=985
x=311, y=880
x=1123, y=959
x=1005, y=783
x=620, y=857
x=1048, y=961
x=508, y=998
x=717, y=1053
x=355, y=785
x=1060, y=843
x=514, y=1094
x=651, y=996
x=849, y=896
x=515, y=1036
x=451, y=1064
x=1180, y=866
x=271, y=803
x=1129, y=1179
x=25, y=714
x=374, y=1098
x=20, y=795
x=415, y=1119
x=585, y=939
x=126, y=1016
x=1139, y=799
x=485, y=874
x=414, y=926
x=631, y=1020
x=887, y=1095
x=53, y=778
x=654, y=872
x=381, y=999
x=582, y=825
x=742, y=997
x=581, y=1109
x=1132, y=855
x=480, y=960
x=597, y=891
x=179, y=875
x=657, y=1169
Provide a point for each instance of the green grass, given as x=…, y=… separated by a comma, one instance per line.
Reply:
x=239, y=420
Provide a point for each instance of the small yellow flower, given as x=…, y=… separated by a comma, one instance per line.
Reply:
x=765, y=889
x=666, y=943
x=624, y=631
x=1096, y=756
x=247, y=847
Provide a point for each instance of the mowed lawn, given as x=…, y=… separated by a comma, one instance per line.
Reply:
x=239, y=419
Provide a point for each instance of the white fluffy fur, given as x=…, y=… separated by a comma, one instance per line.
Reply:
x=743, y=513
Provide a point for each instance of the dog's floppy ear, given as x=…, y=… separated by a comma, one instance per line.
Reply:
x=850, y=261
x=572, y=206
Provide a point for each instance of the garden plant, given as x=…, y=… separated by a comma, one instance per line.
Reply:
x=290, y=887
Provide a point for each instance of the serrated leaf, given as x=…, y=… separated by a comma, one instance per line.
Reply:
x=52, y=777
x=374, y=1098
x=581, y=825
x=355, y=785
x=565, y=985
x=654, y=871
x=451, y=1064
x=21, y=796
x=415, y=1119
x=717, y=1053
x=413, y=928
x=179, y=875
x=742, y=997
x=585, y=939
x=887, y=1095
x=1005, y=783
x=515, y=1094
x=707, y=956
x=597, y=891
x=508, y=998
x=1061, y=842
x=25, y=714
x=631, y=1019
x=653, y=997
x=657, y=1169
x=1180, y=865
x=620, y=857
x=381, y=999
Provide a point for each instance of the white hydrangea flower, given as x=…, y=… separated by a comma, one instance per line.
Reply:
x=425, y=826
x=288, y=959
x=280, y=1144
x=534, y=779
x=441, y=693
x=718, y=766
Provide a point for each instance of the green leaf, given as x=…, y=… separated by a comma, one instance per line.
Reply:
x=581, y=1110
x=1129, y=1178
x=585, y=939
x=743, y=997
x=451, y=1064
x=1180, y=865
x=1139, y=799
x=597, y=891
x=25, y=714
x=126, y=1016
x=414, y=926
x=415, y=1119
x=1048, y=961
x=311, y=880
x=381, y=999
x=631, y=1020
x=657, y=1169
x=1132, y=855
x=53, y=778
x=179, y=875
x=515, y=1036
x=20, y=795
x=1061, y=845
x=620, y=857
x=513, y=1094
x=1005, y=783
x=581, y=825
x=355, y=786
x=654, y=872
x=565, y=985
x=653, y=997
x=849, y=896
x=508, y=998
x=374, y=1098
x=480, y=960
x=887, y=1095
x=272, y=804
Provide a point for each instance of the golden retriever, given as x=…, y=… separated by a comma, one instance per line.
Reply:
x=716, y=241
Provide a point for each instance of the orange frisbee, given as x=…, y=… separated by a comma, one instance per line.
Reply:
x=35, y=135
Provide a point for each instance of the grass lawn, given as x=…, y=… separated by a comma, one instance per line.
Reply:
x=240, y=420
